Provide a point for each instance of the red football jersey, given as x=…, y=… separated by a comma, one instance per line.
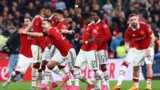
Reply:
x=59, y=41
x=103, y=36
x=63, y=25
x=37, y=22
x=88, y=33
x=25, y=45
x=139, y=39
x=54, y=21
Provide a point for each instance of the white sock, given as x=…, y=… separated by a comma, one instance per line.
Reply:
x=136, y=84
x=121, y=75
x=58, y=71
x=148, y=81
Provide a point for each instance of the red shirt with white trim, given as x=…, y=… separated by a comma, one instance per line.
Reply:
x=140, y=38
x=37, y=22
x=25, y=45
x=59, y=41
x=103, y=36
x=89, y=32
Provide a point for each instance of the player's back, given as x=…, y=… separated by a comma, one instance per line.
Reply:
x=59, y=41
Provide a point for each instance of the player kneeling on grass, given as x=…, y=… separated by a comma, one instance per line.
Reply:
x=25, y=54
x=139, y=41
x=57, y=39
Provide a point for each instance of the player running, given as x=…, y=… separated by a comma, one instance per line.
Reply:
x=25, y=54
x=139, y=40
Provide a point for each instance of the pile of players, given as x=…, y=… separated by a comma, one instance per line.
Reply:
x=45, y=47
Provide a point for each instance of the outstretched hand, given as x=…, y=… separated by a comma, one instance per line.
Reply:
x=21, y=31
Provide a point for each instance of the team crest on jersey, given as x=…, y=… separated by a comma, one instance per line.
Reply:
x=133, y=35
x=97, y=27
x=142, y=32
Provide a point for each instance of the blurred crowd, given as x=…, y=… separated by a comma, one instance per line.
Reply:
x=113, y=12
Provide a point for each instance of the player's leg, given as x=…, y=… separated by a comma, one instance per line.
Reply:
x=21, y=67
x=46, y=73
x=135, y=80
x=13, y=58
x=81, y=64
x=133, y=57
x=102, y=58
x=94, y=65
x=136, y=69
x=12, y=62
x=149, y=62
x=72, y=83
x=149, y=77
x=37, y=57
x=62, y=68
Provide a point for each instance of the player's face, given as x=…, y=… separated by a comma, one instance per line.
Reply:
x=94, y=16
x=48, y=12
x=45, y=25
x=58, y=16
x=133, y=22
x=42, y=11
x=27, y=21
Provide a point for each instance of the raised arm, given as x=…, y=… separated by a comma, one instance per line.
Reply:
x=35, y=34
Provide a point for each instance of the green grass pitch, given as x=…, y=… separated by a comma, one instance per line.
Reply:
x=125, y=86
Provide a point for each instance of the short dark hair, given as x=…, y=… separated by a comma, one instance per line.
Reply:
x=59, y=12
x=133, y=13
x=47, y=19
x=28, y=17
x=98, y=13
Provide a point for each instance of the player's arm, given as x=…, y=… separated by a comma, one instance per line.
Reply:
x=34, y=34
x=153, y=38
x=87, y=41
x=90, y=40
x=26, y=29
x=107, y=34
x=66, y=31
x=127, y=39
x=127, y=45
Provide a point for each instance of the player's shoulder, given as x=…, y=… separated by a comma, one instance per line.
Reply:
x=144, y=24
x=38, y=17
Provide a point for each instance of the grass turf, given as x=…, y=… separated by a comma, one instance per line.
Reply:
x=125, y=86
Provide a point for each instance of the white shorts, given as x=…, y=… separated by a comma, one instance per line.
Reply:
x=102, y=56
x=86, y=58
x=150, y=58
x=49, y=52
x=23, y=63
x=136, y=57
x=69, y=59
x=36, y=52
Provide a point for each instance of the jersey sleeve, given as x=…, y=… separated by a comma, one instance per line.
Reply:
x=107, y=34
x=127, y=36
x=149, y=30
